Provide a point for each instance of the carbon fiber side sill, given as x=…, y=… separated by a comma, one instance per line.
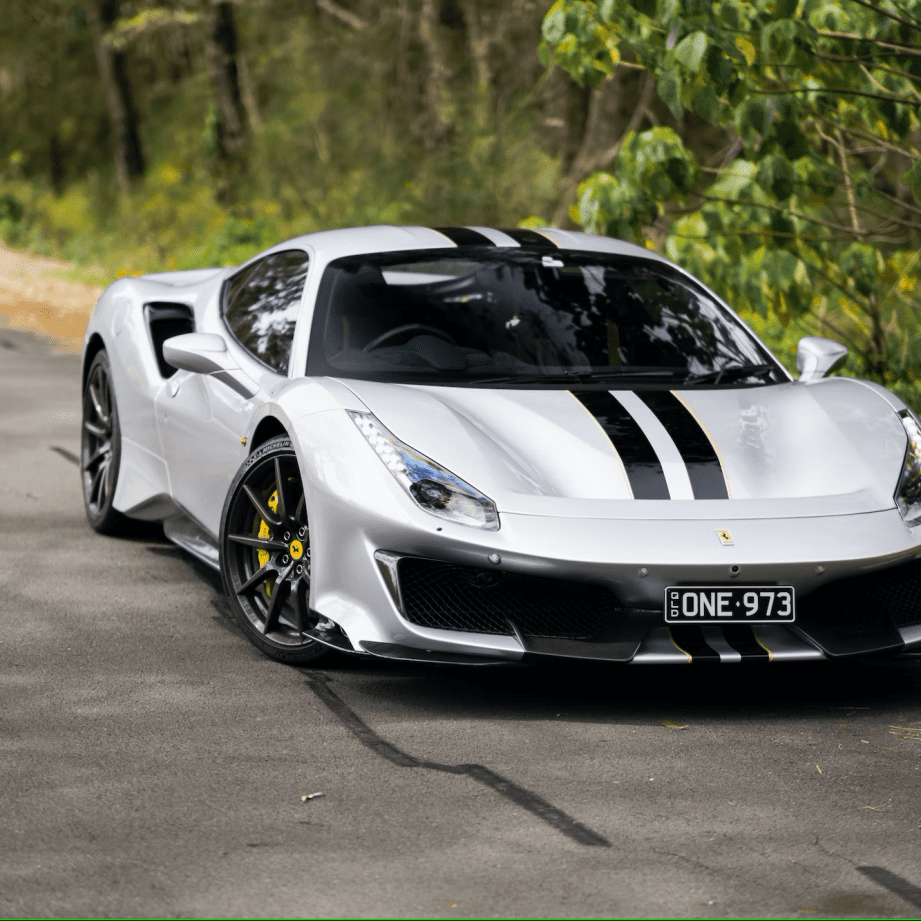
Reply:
x=329, y=634
x=428, y=656
x=620, y=643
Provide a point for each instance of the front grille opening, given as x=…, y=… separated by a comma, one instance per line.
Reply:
x=446, y=596
x=876, y=599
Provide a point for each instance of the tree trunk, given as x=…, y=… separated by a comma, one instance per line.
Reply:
x=478, y=42
x=56, y=162
x=605, y=129
x=438, y=89
x=113, y=74
x=231, y=120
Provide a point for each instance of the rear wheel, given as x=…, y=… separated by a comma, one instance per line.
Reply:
x=265, y=554
x=100, y=447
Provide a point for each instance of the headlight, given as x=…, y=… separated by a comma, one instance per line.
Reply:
x=430, y=486
x=908, y=494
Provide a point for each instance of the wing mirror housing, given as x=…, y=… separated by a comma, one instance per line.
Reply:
x=206, y=353
x=817, y=356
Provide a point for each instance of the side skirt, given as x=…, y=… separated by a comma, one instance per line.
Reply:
x=194, y=539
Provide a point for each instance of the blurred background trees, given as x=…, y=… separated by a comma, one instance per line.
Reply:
x=196, y=130
x=769, y=146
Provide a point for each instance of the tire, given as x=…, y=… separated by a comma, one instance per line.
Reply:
x=100, y=447
x=265, y=554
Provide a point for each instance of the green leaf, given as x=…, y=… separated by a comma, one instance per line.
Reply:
x=720, y=69
x=912, y=177
x=753, y=118
x=705, y=103
x=669, y=89
x=646, y=7
x=791, y=140
x=780, y=267
x=679, y=170
x=729, y=14
x=785, y=9
x=690, y=51
x=607, y=10
x=897, y=117
x=775, y=175
x=860, y=264
x=554, y=26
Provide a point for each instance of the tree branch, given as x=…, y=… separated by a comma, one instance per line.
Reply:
x=836, y=89
x=892, y=148
x=911, y=23
x=904, y=48
x=805, y=217
x=343, y=15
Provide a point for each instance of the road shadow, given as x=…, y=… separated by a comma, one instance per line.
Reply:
x=595, y=692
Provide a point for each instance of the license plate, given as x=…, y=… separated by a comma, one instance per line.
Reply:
x=721, y=604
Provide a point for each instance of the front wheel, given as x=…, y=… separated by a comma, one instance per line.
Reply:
x=265, y=554
x=100, y=447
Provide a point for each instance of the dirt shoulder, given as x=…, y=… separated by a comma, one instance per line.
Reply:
x=36, y=298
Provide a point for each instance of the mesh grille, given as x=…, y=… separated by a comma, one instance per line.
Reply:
x=893, y=595
x=450, y=597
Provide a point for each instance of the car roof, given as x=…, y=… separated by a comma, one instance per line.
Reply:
x=349, y=241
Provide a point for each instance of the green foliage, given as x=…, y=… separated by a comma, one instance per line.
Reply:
x=809, y=215
x=341, y=134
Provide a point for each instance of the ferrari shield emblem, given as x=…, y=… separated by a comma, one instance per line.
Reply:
x=725, y=538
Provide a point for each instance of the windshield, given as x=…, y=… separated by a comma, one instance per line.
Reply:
x=520, y=316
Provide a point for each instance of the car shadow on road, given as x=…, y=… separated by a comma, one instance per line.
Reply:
x=588, y=691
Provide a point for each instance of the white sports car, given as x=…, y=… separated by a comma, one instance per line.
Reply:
x=470, y=445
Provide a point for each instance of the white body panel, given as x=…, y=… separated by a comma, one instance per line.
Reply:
x=811, y=470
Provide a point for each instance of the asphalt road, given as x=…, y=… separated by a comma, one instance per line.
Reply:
x=153, y=762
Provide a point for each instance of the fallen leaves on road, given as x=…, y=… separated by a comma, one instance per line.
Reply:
x=671, y=724
x=906, y=732
x=309, y=796
x=819, y=769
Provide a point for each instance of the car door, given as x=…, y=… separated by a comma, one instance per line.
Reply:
x=201, y=418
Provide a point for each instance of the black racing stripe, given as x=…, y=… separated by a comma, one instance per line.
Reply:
x=704, y=469
x=690, y=638
x=644, y=469
x=525, y=237
x=742, y=639
x=464, y=236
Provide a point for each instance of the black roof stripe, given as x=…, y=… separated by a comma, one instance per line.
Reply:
x=525, y=237
x=464, y=236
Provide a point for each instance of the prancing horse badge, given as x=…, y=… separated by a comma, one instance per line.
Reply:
x=725, y=538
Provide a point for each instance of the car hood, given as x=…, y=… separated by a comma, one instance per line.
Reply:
x=785, y=450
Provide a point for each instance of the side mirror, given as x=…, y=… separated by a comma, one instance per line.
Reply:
x=817, y=356
x=206, y=353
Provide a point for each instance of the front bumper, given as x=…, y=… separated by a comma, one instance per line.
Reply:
x=631, y=562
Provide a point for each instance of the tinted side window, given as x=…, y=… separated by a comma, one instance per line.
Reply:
x=261, y=305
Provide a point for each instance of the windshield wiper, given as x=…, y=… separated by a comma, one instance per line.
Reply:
x=729, y=372
x=579, y=377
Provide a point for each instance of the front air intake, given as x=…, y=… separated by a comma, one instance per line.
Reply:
x=446, y=596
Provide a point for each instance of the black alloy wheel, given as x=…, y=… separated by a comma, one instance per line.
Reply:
x=265, y=554
x=100, y=447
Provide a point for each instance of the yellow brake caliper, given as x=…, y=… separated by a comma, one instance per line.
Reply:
x=265, y=531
